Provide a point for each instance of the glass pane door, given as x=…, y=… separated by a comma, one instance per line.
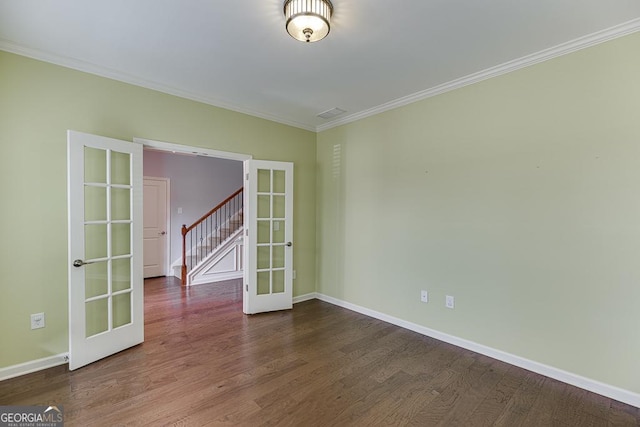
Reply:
x=270, y=237
x=106, y=305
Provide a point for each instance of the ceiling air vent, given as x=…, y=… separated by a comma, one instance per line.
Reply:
x=329, y=114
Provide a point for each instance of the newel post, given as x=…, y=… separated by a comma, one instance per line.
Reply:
x=183, y=275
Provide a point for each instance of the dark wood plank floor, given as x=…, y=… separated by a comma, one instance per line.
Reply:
x=205, y=363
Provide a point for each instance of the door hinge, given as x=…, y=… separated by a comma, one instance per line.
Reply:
x=246, y=232
x=246, y=287
x=246, y=177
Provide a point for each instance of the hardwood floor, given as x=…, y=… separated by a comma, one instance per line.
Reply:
x=205, y=363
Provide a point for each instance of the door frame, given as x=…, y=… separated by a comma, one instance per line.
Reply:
x=170, y=147
x=167, y=244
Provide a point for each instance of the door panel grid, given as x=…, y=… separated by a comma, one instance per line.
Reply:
x=270, y=213
x=107, y=211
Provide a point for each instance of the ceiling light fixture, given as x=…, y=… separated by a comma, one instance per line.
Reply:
x=308, y=20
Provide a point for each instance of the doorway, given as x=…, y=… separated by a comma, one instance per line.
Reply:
x=198, y=184
x=105, y=187
x=267, y=222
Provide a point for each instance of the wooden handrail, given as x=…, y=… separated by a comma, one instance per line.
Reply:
x=186, y=229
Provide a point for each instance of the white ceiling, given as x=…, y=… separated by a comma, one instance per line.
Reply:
x=236, y=54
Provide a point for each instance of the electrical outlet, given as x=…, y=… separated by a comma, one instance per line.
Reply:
x=449, y=301
x=37, y=321
x=424, y=296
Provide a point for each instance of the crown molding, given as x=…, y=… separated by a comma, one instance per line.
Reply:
x=136, y=81
x=498, y=70
x=507, y=67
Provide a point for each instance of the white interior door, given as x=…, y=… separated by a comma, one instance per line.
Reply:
x=156, y=238
x=269, y=253
x=105, y=247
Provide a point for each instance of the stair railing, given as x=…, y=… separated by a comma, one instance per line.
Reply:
x=213, y=228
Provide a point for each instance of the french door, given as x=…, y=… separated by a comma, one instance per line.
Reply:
x=268, y=280
x=105, y=247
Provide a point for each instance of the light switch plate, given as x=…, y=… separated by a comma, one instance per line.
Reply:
x=424, y=296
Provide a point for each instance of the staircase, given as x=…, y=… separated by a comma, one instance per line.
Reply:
x=212, y=246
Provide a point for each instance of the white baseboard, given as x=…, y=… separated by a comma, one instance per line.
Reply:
x=216, y=278
x=305, y=297
x=588, y=384
x=33, y=366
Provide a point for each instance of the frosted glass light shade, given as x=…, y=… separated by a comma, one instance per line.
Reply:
x=308, y=20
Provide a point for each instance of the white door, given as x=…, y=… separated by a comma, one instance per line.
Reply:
x=269, y=269
x=155, y=233
x=105, y=247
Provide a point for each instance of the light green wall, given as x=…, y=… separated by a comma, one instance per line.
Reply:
x=38, y=103
x=519, y=195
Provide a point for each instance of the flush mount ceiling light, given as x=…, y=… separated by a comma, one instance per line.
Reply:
x=308, y=20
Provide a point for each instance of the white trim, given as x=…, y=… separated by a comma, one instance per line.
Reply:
x=607, y=390
x=246, y=211
x=220, y=277
x=305, y=297
x=191, y=151
x=109, y=73
x=33, y=366
x=598, y=37
x=588, y=384
x=507, y=67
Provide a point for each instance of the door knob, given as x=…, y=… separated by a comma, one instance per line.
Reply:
x=162, y=233
x=289, y=244
x=80, y=263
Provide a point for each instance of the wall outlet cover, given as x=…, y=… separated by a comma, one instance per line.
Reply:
x=37, y=321
x=449, y=301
